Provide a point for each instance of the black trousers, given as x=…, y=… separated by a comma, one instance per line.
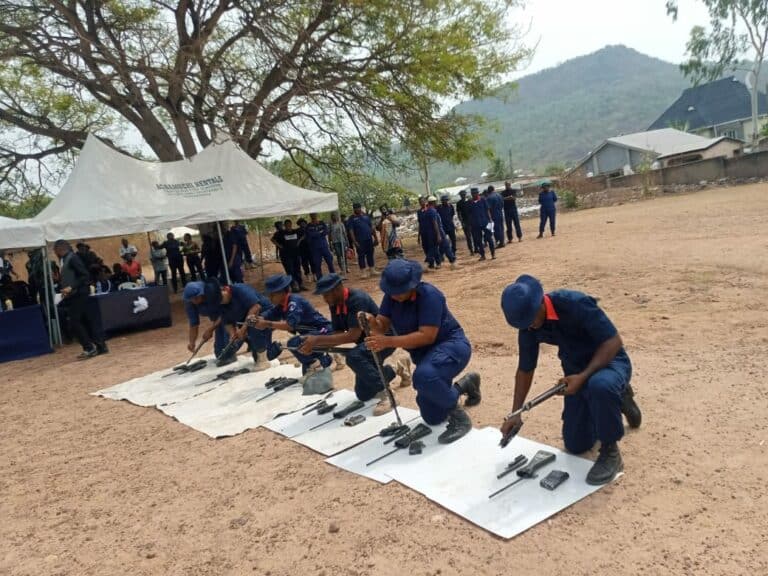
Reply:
x=452, y=237
x=177, y=269
x=81, y=323
x=468, y=235
x=195, y=267
x=512, y=217
x=292, y=266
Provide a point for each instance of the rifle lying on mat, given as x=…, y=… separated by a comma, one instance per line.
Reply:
x=226, y=375
x=275, y=385
x=187, y=367
x=527, y=406
x=410, y=440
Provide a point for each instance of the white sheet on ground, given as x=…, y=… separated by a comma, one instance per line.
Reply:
x=153, y=389
x=356, y=459
x=296, y=423
x=335, y=437
x=442, y=476
x=232, y=407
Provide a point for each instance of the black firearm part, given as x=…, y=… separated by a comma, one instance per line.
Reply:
x=404, y=441
x=328, y=349
x=185, y=366
x=278, y=381
x=226, y=375
x=527, y=406
x=404, y=429
x=415, y=448
x=324, y=407
x=362, y=320
x=194, y=367
x=514, y=465
x=354, y=420
x=251, y=323
x=306, y=409
x=541, y=458
x=394, y=429
x=233, y=344
x=282, y=385
x=554, y=479
x=346, y=411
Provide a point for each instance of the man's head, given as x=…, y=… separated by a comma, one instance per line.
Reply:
x=301, y=222
x=400, y=278
x=490, y=189
x=331, y=288
x=313, y=217
x=81, y=247
x=169, y=236
x=194, y=292
x=61, y=248
x=187, y=237
x=277, y=287
x=444, y=199
x=545, y=184
x=463, y=194
x=155, y=244
x=124, y=242
x=475, y=193
x=422, y=201
x=334, y=217
x=432, y=200
x=507, y=184
x=357, y=208
x=287, y=225
x=523, y=303
x=128, y=258
x=116, y=268
x=278, y=225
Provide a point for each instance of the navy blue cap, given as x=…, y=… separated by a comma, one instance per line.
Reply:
x=462, y=193
x=210, y=290
x=277, y=283
x=445, y=197
x=400, y=276
x=356, y=205
x=521, y=301
x=475, y=190
x=327, y=283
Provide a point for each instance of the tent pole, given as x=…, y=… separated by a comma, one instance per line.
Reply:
x=59, y=339
x=224, y=261
x=261, y=251
x=45, y=302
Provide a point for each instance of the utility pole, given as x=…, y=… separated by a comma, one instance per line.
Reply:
x=511, y=171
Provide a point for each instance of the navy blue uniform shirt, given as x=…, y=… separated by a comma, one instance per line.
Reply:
x=361, y=226
x=575, y=324
x=344, y=317
x=296, y=310
x=446, y=216
x=317, y=234
x=243, y=298
x=427, y=308
x=495, y=204
x=194, y=312
x=547, y=199
x=478, y=213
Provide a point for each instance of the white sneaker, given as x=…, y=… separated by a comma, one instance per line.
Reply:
x=403, y=369
x=261, y=362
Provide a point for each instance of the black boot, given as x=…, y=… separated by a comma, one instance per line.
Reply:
x=630, y=409
x=101, y=348
x=607, y=465
x=469, y=385
x=459, y=425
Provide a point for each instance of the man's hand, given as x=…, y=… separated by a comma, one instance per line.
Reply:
x=240, y=333
x=259, y=322
x=377, y=342
x=191, y=347
x=208, y=334
x=66, y=291
x=510, y=424
x=307, y=345
x=573, y=383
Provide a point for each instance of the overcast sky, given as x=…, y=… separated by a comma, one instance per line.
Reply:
x=569, y=28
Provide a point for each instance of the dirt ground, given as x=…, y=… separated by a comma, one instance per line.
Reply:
x=92, y=486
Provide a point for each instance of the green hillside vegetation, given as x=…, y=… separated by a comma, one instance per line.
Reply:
x=556, y=116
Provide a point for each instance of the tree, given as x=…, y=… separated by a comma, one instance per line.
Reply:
x=739, y=28
x=164, y=79
x=498, y=169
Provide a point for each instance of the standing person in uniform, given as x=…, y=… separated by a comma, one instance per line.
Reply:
x=465, y=217
x=293, y=313
x=547, y=210
x=305, y=255
x=287, y=241
x=496, y=206
x=317, y=236
x=442, y=246
x=234, y=255
x=230, y=306
x=511, y=216
x=344, y=304
x=278, y=228
x=480, y=219
x=423, y=228
x=159, y=263
x=74, y=292
x=447, y=212
x=175, y=261
x=211, y=255
x=596, y=367
x=241, y=234
x=191, y=251
x=363, y=239
x=339, y=242
x=417, y=312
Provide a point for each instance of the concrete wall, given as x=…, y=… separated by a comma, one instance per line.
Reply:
x=611, y=158
x=747, y=166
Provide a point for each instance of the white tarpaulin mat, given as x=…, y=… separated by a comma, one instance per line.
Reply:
x=154, y=390
x=233, y=406
x=444, y=477
x=335, y=436
x=298, y=423
x=358, y=458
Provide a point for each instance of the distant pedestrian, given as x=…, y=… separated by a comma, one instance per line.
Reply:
x=175, y=261
x=511, y=215
x=496, y=206
x=304, y=251
x=447, y=212
x=363, y=238
x=339, y=242
x=482, y=225
x=191, y=252
x=547, y=210
x=465, y=217
x=157, y=258
x=317, y=236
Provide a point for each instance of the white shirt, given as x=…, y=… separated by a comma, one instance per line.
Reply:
x=130, y=249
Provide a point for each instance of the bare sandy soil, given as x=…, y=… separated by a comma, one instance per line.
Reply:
x=91, y=486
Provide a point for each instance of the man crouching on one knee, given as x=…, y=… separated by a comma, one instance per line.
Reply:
x=345, y=304
x=597, y=369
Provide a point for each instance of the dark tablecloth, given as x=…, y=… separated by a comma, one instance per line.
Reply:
x=114, y=311
x=23, y=333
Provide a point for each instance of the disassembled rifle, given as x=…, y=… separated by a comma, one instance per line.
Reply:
x=540, y=459
x=355, y=406
x=404, y=441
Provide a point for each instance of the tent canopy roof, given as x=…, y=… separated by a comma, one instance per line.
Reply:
x=15, y=234
x=109, y=193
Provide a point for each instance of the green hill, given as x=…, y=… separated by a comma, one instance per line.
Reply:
x=558, y=115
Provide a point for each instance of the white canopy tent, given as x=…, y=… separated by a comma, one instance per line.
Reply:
x=109, y=193
x=15, y=234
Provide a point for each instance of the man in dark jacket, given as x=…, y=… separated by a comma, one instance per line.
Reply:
x=463, y=212
x=175, y=261
x=74, y=292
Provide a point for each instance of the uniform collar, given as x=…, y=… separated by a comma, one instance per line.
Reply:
x=342, y=308
x=286, y=301
x=550, y=309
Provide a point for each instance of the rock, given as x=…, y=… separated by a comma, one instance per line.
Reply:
x=150, y=555
x=333, y=528
x=437, y=519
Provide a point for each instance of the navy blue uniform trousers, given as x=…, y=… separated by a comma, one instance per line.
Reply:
x=367, y=380
x=544, y=215
x=594, y=412
x=433, y=378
